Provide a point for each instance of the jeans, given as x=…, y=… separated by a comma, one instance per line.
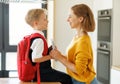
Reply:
x=78, y=82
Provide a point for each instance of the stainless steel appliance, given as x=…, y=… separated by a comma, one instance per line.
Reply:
x=104, y=25
x=104, y=46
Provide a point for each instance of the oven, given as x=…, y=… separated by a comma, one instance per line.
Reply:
x=103, y=62
x=104, y=25
x=104, y=46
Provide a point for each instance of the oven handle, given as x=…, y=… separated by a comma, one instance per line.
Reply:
x=104, y=52
x=103, y=18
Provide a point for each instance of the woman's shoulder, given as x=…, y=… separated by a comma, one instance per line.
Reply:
x=83, y=38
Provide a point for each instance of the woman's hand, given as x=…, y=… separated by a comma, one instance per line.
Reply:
x=55, y=54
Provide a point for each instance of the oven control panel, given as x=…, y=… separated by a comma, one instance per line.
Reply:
x=104, y=12
x=103, y=45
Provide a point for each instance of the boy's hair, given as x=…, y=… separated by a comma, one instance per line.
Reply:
x=34, y=15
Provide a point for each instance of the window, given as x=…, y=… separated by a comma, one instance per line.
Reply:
x=18, y=28
x=17, y=25
x=12, y=29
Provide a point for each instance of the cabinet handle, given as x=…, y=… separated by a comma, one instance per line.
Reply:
x=104, y=52
x=103, y=18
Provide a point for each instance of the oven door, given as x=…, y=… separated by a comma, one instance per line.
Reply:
x=104, y=28
x=103, y=66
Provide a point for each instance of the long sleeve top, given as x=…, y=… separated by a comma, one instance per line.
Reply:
x=80, y=53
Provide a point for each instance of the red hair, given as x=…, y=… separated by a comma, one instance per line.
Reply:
x=82, y=10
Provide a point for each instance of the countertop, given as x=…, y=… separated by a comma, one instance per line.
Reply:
x=116, y=67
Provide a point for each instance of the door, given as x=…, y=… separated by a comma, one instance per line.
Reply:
x=104, y=25
x=103, y=66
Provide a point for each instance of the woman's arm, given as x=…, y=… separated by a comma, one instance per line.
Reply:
x=63, y=59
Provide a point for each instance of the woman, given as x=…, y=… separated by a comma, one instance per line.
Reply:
x=79, y=60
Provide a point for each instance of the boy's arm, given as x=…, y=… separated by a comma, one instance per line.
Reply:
x=39, y=42
x=42, y=59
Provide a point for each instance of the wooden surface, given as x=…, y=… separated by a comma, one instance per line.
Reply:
x=116, y=67
x=17, y=81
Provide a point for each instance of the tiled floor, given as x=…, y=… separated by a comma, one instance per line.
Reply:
x=17, y=81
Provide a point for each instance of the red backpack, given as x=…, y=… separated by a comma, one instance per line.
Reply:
x=26, y=71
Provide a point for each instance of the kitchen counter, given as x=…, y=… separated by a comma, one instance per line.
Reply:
x=116, y=68
x=115, y=75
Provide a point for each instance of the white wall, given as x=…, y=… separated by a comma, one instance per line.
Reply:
x=62, y=31
x=115, y=73
x=116, y=31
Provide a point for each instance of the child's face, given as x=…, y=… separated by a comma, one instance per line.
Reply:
x=43, y=22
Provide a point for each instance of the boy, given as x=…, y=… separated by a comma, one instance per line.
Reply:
x=37, y=19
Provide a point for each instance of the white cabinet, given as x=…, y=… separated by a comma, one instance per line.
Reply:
x=115, y=76
x=116, y=33
x=115, y=71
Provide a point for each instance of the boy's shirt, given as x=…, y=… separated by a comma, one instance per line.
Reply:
x=37, y=46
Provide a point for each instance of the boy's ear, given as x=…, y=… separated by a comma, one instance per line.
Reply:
x=35, y=22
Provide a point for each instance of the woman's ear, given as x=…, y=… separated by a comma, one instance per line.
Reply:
x=81, y=19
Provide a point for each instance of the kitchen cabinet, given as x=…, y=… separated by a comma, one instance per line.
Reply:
x=115, y=70
x=115, y=33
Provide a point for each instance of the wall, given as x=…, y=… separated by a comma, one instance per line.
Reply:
x=63, y=33
x=116, y=31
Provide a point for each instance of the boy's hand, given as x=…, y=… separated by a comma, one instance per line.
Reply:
x=55, y=54
x=49, y=49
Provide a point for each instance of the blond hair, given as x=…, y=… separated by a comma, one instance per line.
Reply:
x=34, y=15
x=88, y=23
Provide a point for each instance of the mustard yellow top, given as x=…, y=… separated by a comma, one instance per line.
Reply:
x=80, y=53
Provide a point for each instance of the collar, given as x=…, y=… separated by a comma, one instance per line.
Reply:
x=38, y=31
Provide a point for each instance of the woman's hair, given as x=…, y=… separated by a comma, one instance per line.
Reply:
x=34, y=15
x=82, y=10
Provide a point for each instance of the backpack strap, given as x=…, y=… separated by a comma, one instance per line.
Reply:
x=38, y=74
x=37, y=35
x=27, y=42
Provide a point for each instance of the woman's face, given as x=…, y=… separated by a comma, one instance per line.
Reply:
x=73, y=20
